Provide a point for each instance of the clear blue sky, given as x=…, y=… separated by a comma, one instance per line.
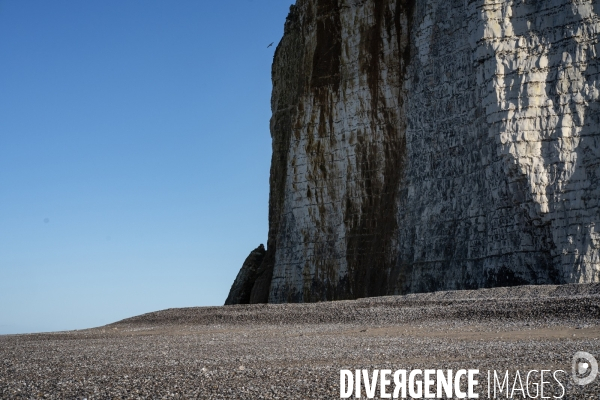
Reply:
x=134, y=154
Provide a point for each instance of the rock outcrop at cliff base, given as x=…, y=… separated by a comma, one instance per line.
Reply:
x=432, y=145
x=244, y=282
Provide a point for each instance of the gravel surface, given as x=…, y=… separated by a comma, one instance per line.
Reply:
x=296, y=351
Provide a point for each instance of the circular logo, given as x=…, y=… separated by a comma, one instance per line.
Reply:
x=585, y=368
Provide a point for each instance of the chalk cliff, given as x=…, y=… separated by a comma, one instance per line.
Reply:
x=432, y=144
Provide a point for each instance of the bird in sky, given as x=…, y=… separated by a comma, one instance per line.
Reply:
x=270, y=45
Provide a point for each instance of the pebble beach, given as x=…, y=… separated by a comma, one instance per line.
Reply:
x=296, y=351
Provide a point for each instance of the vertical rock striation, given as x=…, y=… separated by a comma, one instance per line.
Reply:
x=427, y=145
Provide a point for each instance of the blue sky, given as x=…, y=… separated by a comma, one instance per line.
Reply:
x=134, y=155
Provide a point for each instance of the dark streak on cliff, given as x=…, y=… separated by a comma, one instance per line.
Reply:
x=370, y=244
x=324, y=86
x=404, y=13
x=370, y=62
x=403, y=21
x=326, y=58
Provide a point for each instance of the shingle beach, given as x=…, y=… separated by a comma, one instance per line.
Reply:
x=296, y=351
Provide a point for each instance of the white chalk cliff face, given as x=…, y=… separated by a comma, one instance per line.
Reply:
x=541, y=58
x=434, y=144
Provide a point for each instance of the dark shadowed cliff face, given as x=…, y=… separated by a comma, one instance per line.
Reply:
x=241, y=290
x=426, y=145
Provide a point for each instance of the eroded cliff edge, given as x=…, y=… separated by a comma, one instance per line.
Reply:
x=428, y=145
